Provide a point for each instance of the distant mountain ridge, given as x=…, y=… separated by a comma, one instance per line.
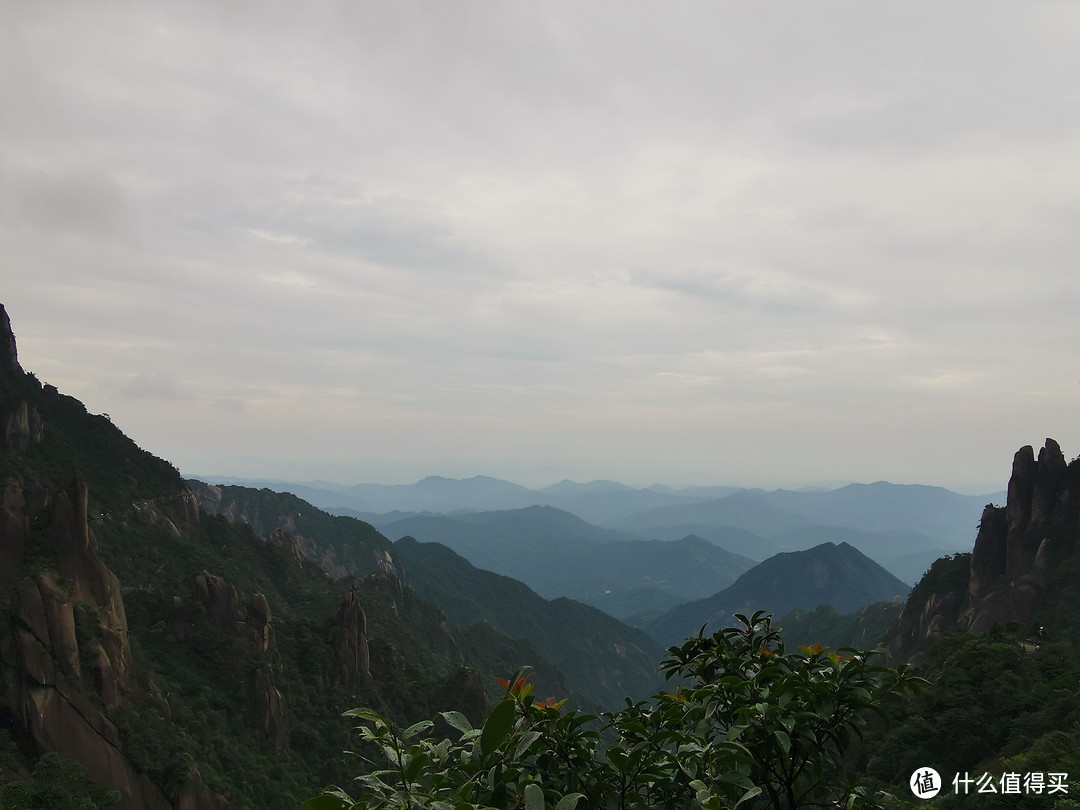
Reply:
x=903, y=527
x=558, y=554
x=601, y=657
x=596, y=502
x=828, y=574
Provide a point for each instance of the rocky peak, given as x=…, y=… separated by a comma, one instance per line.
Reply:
x=1016, y=546
x=1039, y=522
x=219, y=599
x=253, y=645
x=9, y=354
x=353, y=655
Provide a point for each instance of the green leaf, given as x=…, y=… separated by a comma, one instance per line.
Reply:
x=526, y=741
x=416, y=728
x=784, y=740
x=363, y=714
x=748, y=795
x=412, y=770
x=534, y=797
x=569, y=801
x=498, y=726
x=457, y=720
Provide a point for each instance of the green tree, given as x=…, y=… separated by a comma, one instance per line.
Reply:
x=58, y=784
x=752, y=725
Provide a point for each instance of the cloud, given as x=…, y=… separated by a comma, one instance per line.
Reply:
x=150, y=385
x=624, y=236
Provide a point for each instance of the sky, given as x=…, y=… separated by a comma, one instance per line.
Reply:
x=775, y=244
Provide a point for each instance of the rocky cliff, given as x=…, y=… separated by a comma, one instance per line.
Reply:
x=1010, y=574
x=341, y=546
x=9, y=353
x=65, y=657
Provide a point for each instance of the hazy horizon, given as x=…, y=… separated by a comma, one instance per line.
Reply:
x=825, y=486
x=704, y=244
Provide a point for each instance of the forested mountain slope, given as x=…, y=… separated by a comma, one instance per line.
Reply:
x=180, y=658
x=603, y=659
x=827, y=574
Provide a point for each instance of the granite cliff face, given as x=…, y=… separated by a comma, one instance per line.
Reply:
x=9, y=353
x=252, y=656
x=66, y=658
x=341, y=546
x=1007, y=576
x=354, y=656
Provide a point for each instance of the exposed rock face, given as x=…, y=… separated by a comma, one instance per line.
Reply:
x=56, y=683
x=353, y=655
x=14, y=527
x=9, y=354
x=24, y=425
x=991, y=555
x=253, y=643
x=197, y=796
x=278, y=523
x=219, y=598
x=1034, y=491
x=1016, y=544
x=279, y=538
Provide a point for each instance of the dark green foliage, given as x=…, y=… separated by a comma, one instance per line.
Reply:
x=828, y=574
x=603, y=660
x=994, y=704
x=76, y=443
x=197, y=706
x=57, y=784
x=213, y=717
x=946, y=575
x=826, y=625
x=755, y=725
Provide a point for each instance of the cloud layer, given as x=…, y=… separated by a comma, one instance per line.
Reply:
x=711, y=243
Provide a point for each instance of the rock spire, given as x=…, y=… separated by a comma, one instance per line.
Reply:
x=9, y=355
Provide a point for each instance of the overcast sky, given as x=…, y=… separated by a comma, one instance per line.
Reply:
x=760, y=244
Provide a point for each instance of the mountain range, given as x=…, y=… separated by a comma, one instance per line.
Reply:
x=902, y=527
x=193, y=644
x=558, y=554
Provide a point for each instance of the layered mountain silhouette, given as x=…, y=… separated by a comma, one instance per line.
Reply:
x=828, y=574
x=558, y=554
x=902, y=527
x=600, y=656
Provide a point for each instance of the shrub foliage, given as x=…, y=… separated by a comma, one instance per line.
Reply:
x=749, y=724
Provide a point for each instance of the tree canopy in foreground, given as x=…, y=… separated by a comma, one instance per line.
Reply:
x=749, y=724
